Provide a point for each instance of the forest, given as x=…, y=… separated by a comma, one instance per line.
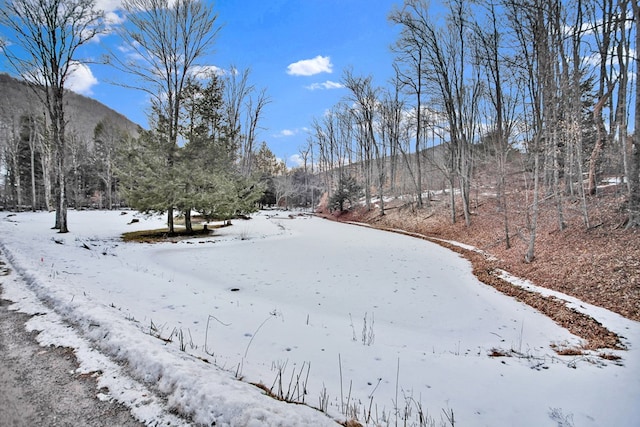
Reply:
x=537, y=98
x=510, y=127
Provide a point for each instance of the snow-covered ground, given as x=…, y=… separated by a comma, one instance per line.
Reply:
x=345, y=317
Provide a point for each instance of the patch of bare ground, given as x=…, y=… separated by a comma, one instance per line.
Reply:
x=599, y=264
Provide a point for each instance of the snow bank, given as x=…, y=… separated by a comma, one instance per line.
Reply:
x=360, y=321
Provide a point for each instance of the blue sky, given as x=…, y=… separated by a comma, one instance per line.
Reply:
x=296, y=49
x=272, y=37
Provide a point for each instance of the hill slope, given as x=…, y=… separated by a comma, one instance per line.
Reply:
x=82, y=114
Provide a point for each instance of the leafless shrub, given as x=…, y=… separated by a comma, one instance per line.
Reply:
x=560, y=418
x=296, y=390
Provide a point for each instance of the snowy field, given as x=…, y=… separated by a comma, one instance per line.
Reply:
x=347, y=318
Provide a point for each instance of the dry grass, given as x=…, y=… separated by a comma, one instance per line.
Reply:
x=163, y=235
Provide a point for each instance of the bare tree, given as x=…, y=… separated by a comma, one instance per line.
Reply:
x=634, y=169
x=12, y=153
x=574, y=108
x=47, y=161
x=236, y=91
x=49, y=33
x=456, y=90
x=490, y=54
x=411, y=53
x=36, y=141
x=254, y=110
x=333, y=135
x=244, y=108
x=3, y=164
x=603, y=23
x=78, y=161
x=391, y=120
x=529, y=30
x=365, y=99
x=107, y=137
x=166, y=39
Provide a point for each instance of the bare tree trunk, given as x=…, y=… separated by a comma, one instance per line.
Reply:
x=452, y=197
x=601, y=137
x=605, y=22
x=254, y=113
x=533, y=228
x=58, y=125
x=418, y=138
x=621, y=115
x=634, y=169
x=47, y=175
x=576, y=108
x=581, y=191
x=32, y=165
x=14, y=153
x=33, y=141
x=465, y=182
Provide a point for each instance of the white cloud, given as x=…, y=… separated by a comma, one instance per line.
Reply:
x=205, y=71
x=285, y=133
x=108, y=5
x=325, y=85
x=81, y=79
x=310, y=67
x=296, y=160
x=112, y=19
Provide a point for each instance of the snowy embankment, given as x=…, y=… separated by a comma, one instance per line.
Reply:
x=349, y=319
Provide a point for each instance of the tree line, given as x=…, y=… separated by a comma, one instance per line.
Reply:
x=549, y=86
x=200, y=153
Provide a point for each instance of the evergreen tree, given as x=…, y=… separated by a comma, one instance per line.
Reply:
x=203, y=175
x=348, y=190
x=146, y=183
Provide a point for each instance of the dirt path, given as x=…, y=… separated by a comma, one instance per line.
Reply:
x=39, y=386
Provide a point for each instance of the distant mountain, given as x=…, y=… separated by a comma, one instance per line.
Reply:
x=82, y=113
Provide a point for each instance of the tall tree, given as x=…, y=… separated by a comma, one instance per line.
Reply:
x=209, y=175
x=48, y=34
x=634, y=169
x=254, y=111
x=603, y=24
x=12, y=153
x=145, y=179
x=244, y=109
x=107, y=136
x=454, y=88
x=166, y=40
x=365, y=100
x=33, y=133
x=489, y=53
x=391, y=115
x=411, y=52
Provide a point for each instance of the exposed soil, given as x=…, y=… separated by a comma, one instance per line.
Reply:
x=599, y=264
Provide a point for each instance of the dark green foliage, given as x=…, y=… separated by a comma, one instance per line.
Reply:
x=198, y=175
x=146, y=182
x=348, y=190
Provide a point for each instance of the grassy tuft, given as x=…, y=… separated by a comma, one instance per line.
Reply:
x=163, y=235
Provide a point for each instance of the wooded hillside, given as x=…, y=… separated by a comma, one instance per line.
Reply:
x=510, y=126
x=83, y=113
x=26, y=156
